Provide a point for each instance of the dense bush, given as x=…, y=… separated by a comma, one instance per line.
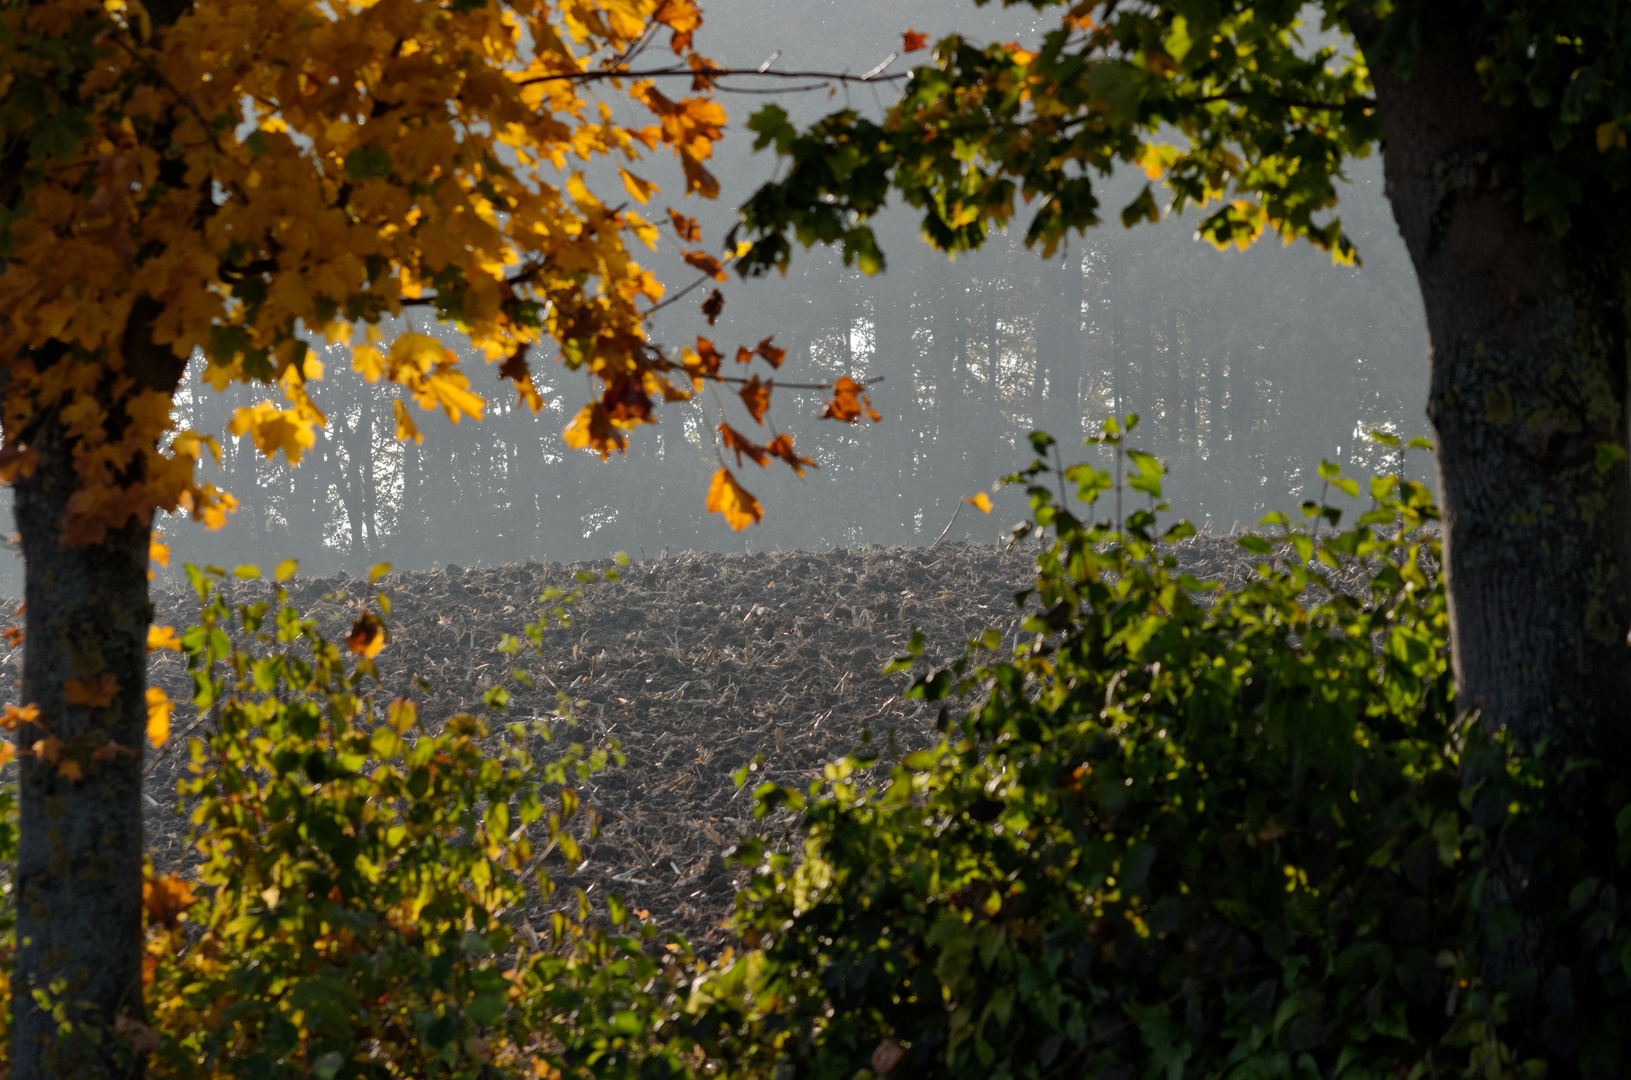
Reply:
x=1186, y=831
x=1181, y=830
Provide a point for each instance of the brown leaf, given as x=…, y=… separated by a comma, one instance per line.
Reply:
x=712, y=306
x=735, y=502
x=165, y=898
x=138, y=1036
x=708, y=356
x=515, y=367
x=626, y=402
x=367, y=636
x=735, y=440
x=845, y=404
x=772, y=355
x=912, y=41
x=706, y=263
x=871, y=413
x=686, y=228
x=95, y=693
x=782, y=446
x=756, y=396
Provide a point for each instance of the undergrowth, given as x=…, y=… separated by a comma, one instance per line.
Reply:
x=1178, y=831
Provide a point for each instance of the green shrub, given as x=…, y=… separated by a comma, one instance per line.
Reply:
x=356, y=913
x=1186, y=831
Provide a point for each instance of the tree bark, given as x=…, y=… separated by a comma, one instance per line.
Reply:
x=1528, y=334
x=79, y=867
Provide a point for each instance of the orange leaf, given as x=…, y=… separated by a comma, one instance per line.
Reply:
x=165, y=898
x=981, y=502
x=367, y=636
x=16, y=716
x=706, y=263
x=845, y=404
x=733, y=501
x=94, y=694
x=47, y=749
x=772, y=355
x=912, y=41
x=14, y=636
x=735, y=440
x=756, y=396
x=71, y=769
x=871, y=413
x=162, y=637
x=744, y=355
x=685, y=227
x=158, y=551
x=708, y=356
x=158, y=716
x=782, y=446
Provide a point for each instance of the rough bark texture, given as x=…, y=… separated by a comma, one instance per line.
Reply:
x=1528, y=335
x=79, y=872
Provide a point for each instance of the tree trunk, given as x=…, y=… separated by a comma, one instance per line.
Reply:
x=79, y=866
x=1528, y=399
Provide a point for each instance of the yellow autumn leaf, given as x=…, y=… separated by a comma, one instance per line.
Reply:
x=273, y=429
x=732, y=501
x=448, y=387
x=368, y=362
x=158, y=716
x=981, y=502
x=163, y=637
x=405, y=427
x=402, y=714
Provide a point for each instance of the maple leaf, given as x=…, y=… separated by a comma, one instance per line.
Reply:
x=912, y=41
x=592, y=429
x=71, y=769
x=95, y=693
x=845, y=404
x=706, y=263
x=162, y=637
x=782, y=446
x=685, y=228
x=772, y=355
x=680, y=16
x=166, y=898
x=293, y=431
x=707, y=357
x=15, y=716
x=367, y=636
x=712, y=306
x=756, y=396
x=158, y=716
x=735, y=440
x=732, y=501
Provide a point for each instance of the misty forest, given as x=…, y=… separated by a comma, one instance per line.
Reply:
x=1247, y=367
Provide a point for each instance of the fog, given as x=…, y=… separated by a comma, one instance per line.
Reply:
x=1246, y=368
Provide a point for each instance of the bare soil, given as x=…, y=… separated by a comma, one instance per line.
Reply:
x=691, y=666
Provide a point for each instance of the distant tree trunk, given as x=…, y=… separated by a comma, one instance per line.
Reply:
x=1529, y=337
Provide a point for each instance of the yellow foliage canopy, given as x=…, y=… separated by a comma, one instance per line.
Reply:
x=261, y=170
